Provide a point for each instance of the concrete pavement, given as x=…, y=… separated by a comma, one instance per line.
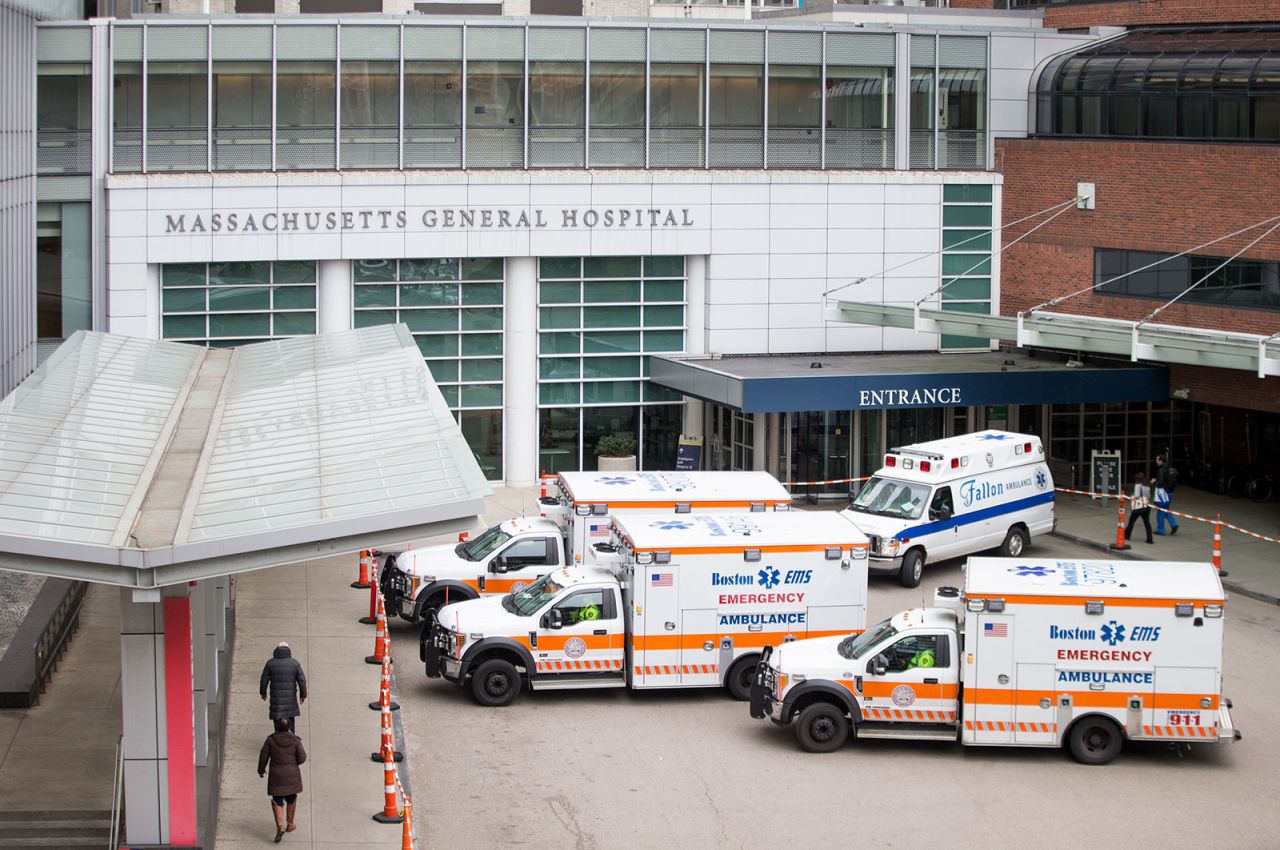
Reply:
x=1252, y=565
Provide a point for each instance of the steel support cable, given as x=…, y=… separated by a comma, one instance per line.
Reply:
x=1056, y=301
x=983, y=233
x=1001, y=250
x=1157, y=311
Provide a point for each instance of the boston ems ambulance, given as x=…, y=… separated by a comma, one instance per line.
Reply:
x=1086, y=654
x=684, y=601
x=954, y=497
x=575, y=514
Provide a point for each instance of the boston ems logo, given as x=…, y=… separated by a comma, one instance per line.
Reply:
x=615, y=479
x=575, y=647
x=769, y=577
x=1112, y=633
x=903, y=696
x=1035, y=572
x=671, y=525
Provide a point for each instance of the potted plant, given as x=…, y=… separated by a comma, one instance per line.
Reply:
x=617, y=453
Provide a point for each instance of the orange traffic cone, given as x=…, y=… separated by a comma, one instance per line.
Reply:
x=406, y=832
x=363, y=581
x=384, y=689
x=380, y=641
x=373, y=597
x=387, y=741
x=1120, y=544
x=389, y=813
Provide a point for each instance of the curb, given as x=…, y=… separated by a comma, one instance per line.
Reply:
x=1226, y=583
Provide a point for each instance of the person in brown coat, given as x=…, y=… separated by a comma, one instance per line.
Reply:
x=283, y=751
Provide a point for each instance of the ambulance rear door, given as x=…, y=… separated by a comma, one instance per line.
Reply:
x=989, y=705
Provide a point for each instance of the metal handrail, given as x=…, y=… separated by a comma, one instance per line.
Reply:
x=53, y=638
x=117, y=796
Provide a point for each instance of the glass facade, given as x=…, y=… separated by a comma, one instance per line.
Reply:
x=1172, y=83
x=307, y=96
x=966, y=256
x=454, y=309
x=1138, y=430
x=597, y=319
x=226, y=304
x=64, y=297
x=1217, y=281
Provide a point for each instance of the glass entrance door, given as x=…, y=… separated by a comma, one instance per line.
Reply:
x=820, y=442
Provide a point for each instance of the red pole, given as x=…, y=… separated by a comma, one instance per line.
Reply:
x=1120, y=544
x=1217, y=546
x=373, y=599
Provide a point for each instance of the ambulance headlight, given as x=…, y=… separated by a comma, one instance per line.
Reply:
x=1213, y=610
x=797, y=677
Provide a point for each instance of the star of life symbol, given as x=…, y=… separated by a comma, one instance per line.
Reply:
x=994, y=437
x=1034, y=572
x=671, y=525
x=1112, y=633
x=615, y=479
x=1041, y=479
x=769, y=577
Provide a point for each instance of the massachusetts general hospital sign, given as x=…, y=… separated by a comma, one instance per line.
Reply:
x=431, y=218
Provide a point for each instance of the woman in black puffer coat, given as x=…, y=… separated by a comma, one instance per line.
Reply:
x=283, y=674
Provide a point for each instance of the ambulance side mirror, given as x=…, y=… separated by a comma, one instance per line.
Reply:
x=940, y=513
x=878, y=666
x=499, y=565
x=553, y=619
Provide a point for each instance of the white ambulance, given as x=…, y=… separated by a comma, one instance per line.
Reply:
x=686, y=601
x=575, y=514
x=1087, y=654
x=947, y=498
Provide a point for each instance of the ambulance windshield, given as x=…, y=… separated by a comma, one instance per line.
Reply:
x=854, y=645
x=887, y=497
x=484, y=544
x=533, y=597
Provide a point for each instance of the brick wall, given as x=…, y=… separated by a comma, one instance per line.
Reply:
x=1142, y=12
x=1150, y=197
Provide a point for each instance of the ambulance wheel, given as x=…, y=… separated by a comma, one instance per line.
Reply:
x=822, y=728
x=496, y=682
x=740, y=676
x=1015, y=542
x=1095, y=740
x=912, y=568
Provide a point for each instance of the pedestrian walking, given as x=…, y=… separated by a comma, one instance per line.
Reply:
x=283, y=674
x=1166, y=481
x=283, y=752
x=1141, y=502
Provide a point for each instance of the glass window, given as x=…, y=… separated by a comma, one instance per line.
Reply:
x=962, y=118
x=63, y=101
x=923, y=114
x=370, y=114
x=558, y=429
x=241, y=115
x=583, y=607
x=530, y=552
x=916, y=651
x=432, y=114
x=795, y=116
x=617, y=114
x=1218, y=281
x=859, y=103
x=495, y=114
x=557, y=113
x=676, y=101
x=232, y=303
x=64, y=300
x=736, y=116
x=126, y=117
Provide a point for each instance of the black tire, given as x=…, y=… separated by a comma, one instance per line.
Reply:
x=822, y=728
x=912, y=568
x=495, y=683
x=1015, y=542
x=738, y=682
x=1095, y=740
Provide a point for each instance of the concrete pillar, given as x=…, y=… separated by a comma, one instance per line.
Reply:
x=902, y=105
x=520, y=371
x=200, y=672
x=695, y=335
x=220, y=619
x=775, y=442
x=759, y=441
x=214, y=616
x=156, y=696
x=333, y=282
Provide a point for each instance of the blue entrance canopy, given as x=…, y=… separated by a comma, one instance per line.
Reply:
x=800, y=382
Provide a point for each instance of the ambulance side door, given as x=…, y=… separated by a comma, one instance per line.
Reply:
x=521, y=563
x=946, y=541
x=581, y=632
x=989, y=703
x=659, y=662
x=915, y=679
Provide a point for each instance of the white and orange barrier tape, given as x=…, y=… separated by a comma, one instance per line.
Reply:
x=819, y=483
x=1217, y=521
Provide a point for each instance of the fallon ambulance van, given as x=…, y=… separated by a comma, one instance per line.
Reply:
x=947, y=498
x=1083, y=654
x=684, y=601
x=575, y=514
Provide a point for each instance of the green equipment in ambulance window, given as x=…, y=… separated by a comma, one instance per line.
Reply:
x=916, y=651
x=582, y=607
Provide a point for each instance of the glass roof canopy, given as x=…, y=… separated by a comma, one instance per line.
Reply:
x=143, y=463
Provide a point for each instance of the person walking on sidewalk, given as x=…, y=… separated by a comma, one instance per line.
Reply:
x=284, y=675
x=283, y=752
x=1140, y=506
x=1166, y=482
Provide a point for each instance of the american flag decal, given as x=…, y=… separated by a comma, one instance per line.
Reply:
x=995, y=629
x=598, y=530
x=660, y=579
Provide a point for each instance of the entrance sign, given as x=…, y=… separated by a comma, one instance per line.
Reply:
x=689, y=454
